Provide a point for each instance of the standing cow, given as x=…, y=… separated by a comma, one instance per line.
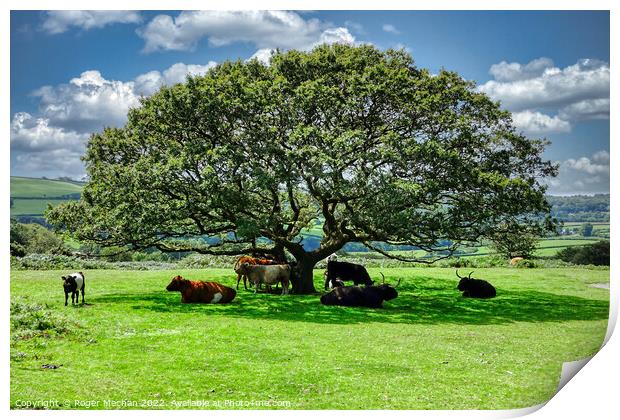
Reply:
x=270, y=275
x=251, y=261
x=73, y=283
x=344, y=271
x=201, y=291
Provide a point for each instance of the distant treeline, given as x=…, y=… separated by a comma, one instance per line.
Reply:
x=580, y=208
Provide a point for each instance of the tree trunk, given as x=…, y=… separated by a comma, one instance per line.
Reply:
x=302, y=277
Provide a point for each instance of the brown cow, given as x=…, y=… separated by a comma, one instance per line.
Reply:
x=516, y=260
x=251, y=261
x=201, y=291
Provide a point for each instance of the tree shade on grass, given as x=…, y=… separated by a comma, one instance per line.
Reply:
x=381, y=150
x=427, y=349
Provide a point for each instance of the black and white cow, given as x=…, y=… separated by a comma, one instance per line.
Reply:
x=73, y=283
x=344, y=271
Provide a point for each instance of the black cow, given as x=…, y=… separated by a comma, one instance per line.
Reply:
x=344, y=271
x=366, y=296
x=475, y=288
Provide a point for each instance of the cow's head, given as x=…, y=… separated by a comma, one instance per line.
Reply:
x=464, y=282
x=68, y=283
x=177, y=284
x=388, y=291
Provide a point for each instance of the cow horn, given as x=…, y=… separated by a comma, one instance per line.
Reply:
x=457, y=273
x=383, y=281
x=470, y=275
x=397, y=284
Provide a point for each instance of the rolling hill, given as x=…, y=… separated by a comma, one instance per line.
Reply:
x=30, y=196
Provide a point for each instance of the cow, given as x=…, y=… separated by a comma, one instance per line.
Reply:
x=335, y=283
x=346, y=271
x=268, y=274
x=368, y=296
x=73, y=283
x=251, y=261
x=516, y=260
x=201, y=291
x=475, y=288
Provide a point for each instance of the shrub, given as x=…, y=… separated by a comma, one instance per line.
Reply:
x=30, y=320
x=594, y=254
x=34, y=239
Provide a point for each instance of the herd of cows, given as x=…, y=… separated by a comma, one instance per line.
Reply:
x=266, y=272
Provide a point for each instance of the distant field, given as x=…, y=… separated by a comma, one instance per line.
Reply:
x=34, y=207
x=32, y=187
x=546, y=247
x=38, y=193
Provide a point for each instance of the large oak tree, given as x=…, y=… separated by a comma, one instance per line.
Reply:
x=249, y=155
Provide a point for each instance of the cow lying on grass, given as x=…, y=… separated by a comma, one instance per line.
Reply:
x=73, y=283
x=201, y=291
x=475, y=288
x=251, y=261
x=270, y=275
x=366, y=296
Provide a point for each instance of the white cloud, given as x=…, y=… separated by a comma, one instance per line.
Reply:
x=536, y=123
x=148, y=83
x=264, y=29
x=39, y=148
x=598, y=164
x=540, y=84
x=37, y=135
x=589, y=109
x=58, y=21
x=509, y=72
x=583, y=175
x=263, y=55
x=336, y=36
x=51, y=144
x=391, y=29
x=87, y=103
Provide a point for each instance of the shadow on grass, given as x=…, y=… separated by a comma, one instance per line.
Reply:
x=421, y=305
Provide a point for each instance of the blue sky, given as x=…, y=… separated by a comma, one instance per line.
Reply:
x=74, y=72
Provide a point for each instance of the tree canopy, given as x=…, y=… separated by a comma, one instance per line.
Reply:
x=243, y=158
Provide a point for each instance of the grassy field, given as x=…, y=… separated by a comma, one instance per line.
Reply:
x=34, y=187
x=32, y=206
x=38, y=192
x=427, y=349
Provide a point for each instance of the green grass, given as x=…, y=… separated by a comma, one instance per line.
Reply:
x=427, y=349
x=35, y=187
x=35, y=207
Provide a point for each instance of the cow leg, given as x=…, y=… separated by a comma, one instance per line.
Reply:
x=238, y=279
x=66, y=298
x=245, y=280
x=284, y=288
x=72, y=297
